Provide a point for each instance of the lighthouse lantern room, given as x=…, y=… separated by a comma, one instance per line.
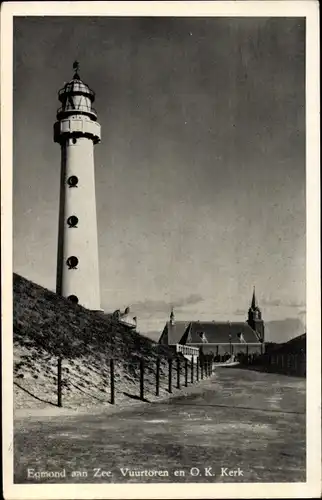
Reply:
x=77, y=130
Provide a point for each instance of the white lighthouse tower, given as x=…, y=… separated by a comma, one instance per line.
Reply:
x=77, y=130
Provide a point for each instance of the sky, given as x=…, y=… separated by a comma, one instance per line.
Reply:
x=200, y=174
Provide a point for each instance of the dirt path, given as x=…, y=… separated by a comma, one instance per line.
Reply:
x=249, y=422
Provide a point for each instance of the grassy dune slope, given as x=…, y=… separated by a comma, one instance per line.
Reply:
x=46, y=326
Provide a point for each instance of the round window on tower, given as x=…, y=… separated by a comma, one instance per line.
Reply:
x=72, y=221
x=73, y=299
x=72, y=262
x=72, y=181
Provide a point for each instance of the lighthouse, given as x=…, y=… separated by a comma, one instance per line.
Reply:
x=77, y=131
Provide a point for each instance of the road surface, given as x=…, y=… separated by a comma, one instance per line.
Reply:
x=238, y=426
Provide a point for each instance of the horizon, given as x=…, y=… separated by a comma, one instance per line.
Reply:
x=200, y=175
x=289, y=332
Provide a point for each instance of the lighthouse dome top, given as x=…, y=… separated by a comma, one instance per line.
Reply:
x=76, y=87
x=76, y=97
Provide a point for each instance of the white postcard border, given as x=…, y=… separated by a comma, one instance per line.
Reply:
x=307, y=9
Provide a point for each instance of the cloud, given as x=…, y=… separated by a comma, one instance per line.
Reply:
x=240, y=312
x=281, y=302
x=191, y=299
x=162, y=306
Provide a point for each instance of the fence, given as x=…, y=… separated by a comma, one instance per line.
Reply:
x=187, y=372
x=288, y=363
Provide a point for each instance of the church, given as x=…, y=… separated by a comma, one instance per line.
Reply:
x=218, y=338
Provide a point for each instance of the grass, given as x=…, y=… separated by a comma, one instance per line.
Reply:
x=46, y=326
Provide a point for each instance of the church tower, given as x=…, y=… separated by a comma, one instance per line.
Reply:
x=77, y=131
x=255, y=318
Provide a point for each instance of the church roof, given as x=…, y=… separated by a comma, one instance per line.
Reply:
x=172, y=334
x=216, y=332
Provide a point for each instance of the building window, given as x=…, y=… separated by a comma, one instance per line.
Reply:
x=72, y=262
x=72, y=181
x=73, y=299
x=74, y=140
x=72, y=221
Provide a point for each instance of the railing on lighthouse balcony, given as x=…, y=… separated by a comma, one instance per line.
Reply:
x=83, y=109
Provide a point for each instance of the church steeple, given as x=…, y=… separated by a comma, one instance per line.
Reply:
x=254, y=303
x=255, y=318
x=172, y=319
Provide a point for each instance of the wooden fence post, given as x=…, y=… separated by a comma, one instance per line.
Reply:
x=112, y=381
x=59, y=384
x=170, y=375
x=178, y=373
x=197, y=369
x=192, y=369
x=186, y=372
x=141, y=379
x=157, y=379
